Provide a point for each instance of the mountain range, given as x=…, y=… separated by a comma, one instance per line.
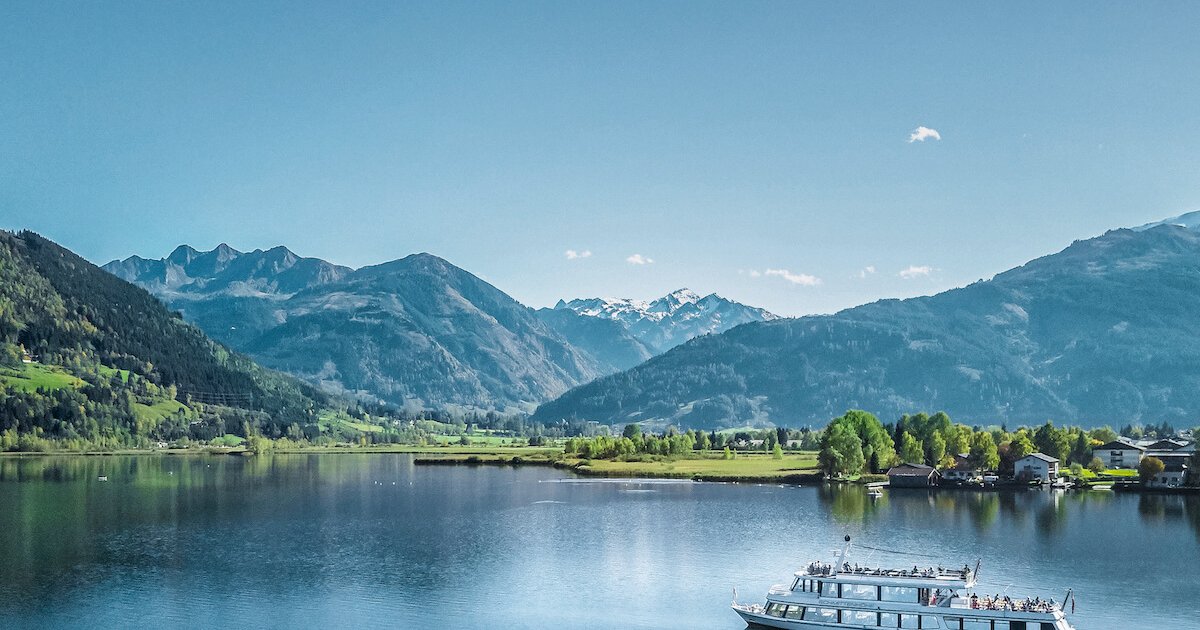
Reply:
x=417, y=331
x=1105, y=331
x=672, y=319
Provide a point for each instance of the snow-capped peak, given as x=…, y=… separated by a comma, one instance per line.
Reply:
x=671, y=302
x=672, y=319
x=1189, y=220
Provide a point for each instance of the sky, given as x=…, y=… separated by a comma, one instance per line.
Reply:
x=803, y=157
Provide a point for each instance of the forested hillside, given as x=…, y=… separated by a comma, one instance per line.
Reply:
x=1105, y=332
x=91, y=359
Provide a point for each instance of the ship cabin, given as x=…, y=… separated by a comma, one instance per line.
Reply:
x=922, y=598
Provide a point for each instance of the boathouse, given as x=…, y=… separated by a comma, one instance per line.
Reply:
x=913, y=476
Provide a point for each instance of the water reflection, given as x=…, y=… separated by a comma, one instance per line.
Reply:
x=372, y=540
x=852, y=504
x=1161, y=508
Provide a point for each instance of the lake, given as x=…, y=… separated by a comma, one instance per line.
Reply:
x=350, y=540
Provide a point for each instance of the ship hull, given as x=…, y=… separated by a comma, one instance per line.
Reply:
x=766, y=621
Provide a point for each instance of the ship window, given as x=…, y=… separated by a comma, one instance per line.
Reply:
x=794, y=612
x=928, y=622
x=1017, y=625
x=858, y=591
x=976, y=624
x=889, y=620
x=1047, y=626
x=910, y=621
x=898, y=594
x=860, y=617
x=775, y=610
x=955, y=623
x=828, y=615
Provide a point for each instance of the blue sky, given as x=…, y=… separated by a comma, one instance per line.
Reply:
x=759, y=150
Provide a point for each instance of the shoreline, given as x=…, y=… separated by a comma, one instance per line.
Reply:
x=706, y=469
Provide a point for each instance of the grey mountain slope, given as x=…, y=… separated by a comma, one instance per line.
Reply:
x=421, y=331
x=1105, y=331
x=608, y=341
x=416, y=331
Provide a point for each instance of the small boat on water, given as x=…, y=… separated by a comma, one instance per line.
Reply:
x=1100, y=486
x=875, y=493
x=1060, y=484
x=838, y=595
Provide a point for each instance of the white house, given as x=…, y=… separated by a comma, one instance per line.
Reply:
x=1119, y=454
x=1036, y=466
x=1175, y=461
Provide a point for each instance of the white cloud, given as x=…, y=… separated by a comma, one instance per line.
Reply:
x=921, y=134
x=754, y=273
x=638, y=259
x=574, y=255
x=802, y=279
x=915, y=271
x=866, y=271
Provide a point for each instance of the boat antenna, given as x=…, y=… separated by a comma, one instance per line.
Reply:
x=975, y=573
x=1070, y=596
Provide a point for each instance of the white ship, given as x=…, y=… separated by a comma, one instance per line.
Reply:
x=841, y=595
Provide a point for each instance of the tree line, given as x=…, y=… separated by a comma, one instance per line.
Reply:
x=857, y=442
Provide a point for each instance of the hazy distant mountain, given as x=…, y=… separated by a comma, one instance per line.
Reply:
x=415, y=331
x=225, y=271
x=672, y=319
x=608, y=341
x=1105, y=331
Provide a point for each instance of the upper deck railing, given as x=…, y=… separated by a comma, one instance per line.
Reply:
x=818, y=569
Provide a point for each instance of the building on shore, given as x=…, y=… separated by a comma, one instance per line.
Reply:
x=1119, y=454
x=962, y=470
x=1175, y=467
x=1036, y=466
x=913, y=476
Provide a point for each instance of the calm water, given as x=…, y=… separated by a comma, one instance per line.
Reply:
x=371, y=540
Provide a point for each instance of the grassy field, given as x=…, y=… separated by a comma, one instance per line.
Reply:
x=158, y=411
x=108, y=372
x=745, y=467
x=482, y=440
x=794, y=467
x=332, y=418
x=30, y=376
x=1114, y=473
x=452, y=452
